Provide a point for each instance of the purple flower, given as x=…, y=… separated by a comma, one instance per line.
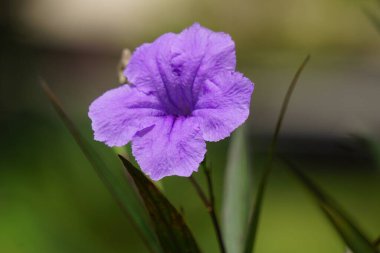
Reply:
x=183, y=91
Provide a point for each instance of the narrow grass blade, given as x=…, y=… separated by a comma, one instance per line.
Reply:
x=255, y=216
x=125, y=195
x=236, y=197
x=171, y=230
x=256, y=210
x=349, y=232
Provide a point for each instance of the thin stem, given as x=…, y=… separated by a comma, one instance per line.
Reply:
x=212, y=210
x=200, y=193
x=210, y=206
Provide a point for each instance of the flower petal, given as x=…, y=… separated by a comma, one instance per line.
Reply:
x=200, y=54
x=175, y=66
x=223, y=105
x=119, y=113
x=143, y=69
x=150, y=70
x=173, y=146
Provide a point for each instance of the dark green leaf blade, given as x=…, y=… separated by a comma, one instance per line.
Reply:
x=125, y=195
x=349, y=232
x=171, y=230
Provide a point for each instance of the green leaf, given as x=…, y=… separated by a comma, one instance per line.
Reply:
x=256, y=210
x=255, y=215
x=172, y=232
x=237, y=192
x=349, y=232
x=125, y=195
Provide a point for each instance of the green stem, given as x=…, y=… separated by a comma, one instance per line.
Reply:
x=212, y=210
x=210, y=205
x=200, y=192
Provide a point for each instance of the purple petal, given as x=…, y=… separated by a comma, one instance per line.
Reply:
x=150, y=70
x=119, y=113
x=200, y=54
x=173, y=146
x=174, y=67
x=223, y=105
x=143, y=69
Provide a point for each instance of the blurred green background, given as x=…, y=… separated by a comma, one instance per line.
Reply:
x=52, y=201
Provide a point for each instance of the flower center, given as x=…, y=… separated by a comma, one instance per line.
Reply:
x=177, y=105
x=176, y=93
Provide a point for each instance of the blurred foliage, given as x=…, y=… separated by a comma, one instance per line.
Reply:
x=52, y=201
x=355, y=239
